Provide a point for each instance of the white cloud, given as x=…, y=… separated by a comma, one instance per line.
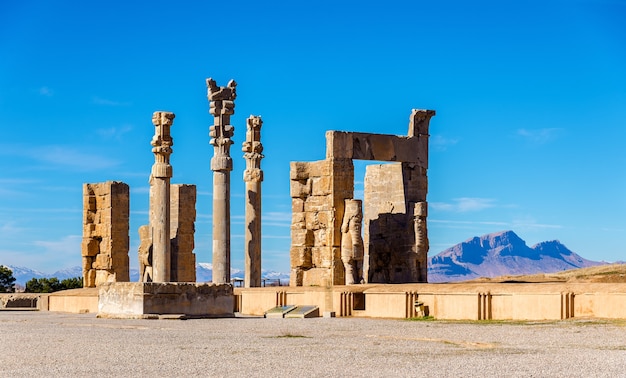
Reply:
x=276, y=237
x=277, y=219
x=63, y=252
x=114, y=132
x=540, y=136
x=464, y=204
x=441, y=143
x=9, y=228
x=102, y=101
x=140, y=190
x=60, y=157
x=529, y=223
x=67, y=157
x=45, y=91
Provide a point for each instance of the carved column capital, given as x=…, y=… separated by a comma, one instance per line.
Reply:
x=221, y=106
x=162, y=144
x=253, y=150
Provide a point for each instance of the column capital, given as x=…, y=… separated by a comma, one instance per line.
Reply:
x=162, y=143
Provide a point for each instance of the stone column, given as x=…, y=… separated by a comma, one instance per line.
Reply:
x=221, y=106
x=253, y=175
x=160, y=196
x=420, y=214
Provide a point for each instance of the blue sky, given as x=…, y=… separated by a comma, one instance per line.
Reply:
x=529, y=133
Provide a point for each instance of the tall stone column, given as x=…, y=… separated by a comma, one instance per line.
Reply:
x=221, y=106
x=160, y=196
x=253, y=175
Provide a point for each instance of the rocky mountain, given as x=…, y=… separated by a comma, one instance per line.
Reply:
x=499, y=254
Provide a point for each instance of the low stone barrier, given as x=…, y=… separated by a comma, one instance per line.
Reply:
x=14, y=301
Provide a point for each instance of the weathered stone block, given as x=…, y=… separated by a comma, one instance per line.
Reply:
x=127, y=300
x=301, y=237
x=90, y=247
x=300, y=188
x=102, y=261
x=298, y=220
x=318, y=203
x=297, y=205
x=321, y=257
x=301, y=256
x=322, y=237
x=305, y=170
x=316, y=277
x=320, y=186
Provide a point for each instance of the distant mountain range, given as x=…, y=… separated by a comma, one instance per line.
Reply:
x=204, y=273
x=497, y=254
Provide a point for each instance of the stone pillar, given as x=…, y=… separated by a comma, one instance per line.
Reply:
x=182, y=230
x=105, y=233
x=420, y=214
x=160, y=196
x=221, y=106
x=253, y=175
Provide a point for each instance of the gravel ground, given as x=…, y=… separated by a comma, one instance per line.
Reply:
x=61, y=345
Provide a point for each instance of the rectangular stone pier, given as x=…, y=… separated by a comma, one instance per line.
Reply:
x=152, y=299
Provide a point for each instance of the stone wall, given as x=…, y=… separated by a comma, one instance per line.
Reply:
x=182, y=231
x=391, y=192
x=394, y=207
x=105, y=233
x=318, y=191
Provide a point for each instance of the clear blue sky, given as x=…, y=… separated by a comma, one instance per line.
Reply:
x=529, y=133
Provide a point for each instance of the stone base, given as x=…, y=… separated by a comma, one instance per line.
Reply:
x=162, y=300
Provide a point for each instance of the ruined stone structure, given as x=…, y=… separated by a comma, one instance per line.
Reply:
x=145, y=254
x=394, y=195
x=160, y=196
x=167, y=243
x=221, y=106
x=182, y=232
x=105, y=242
x=352, y=241
x=319, y=189
x=253, y=175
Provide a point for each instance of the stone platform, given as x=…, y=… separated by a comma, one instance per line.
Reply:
x=149, y=299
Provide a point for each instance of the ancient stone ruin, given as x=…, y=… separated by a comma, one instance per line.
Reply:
x=395, y=235
x=352, y=241
x=182, y=232
x=167, y=242
x=221, y=106
x=253, y=175
x=167, y=263
x=160, y=196
x=105, y=242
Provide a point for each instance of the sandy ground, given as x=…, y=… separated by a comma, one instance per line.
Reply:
x=63, y=345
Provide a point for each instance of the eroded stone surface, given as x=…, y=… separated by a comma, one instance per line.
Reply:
x=352, y=242
x=221, y=106
x=105, y=242
x=133, y=299
x=395, y=230
x=253, y=175
x=160, y=196
x=182, y=232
